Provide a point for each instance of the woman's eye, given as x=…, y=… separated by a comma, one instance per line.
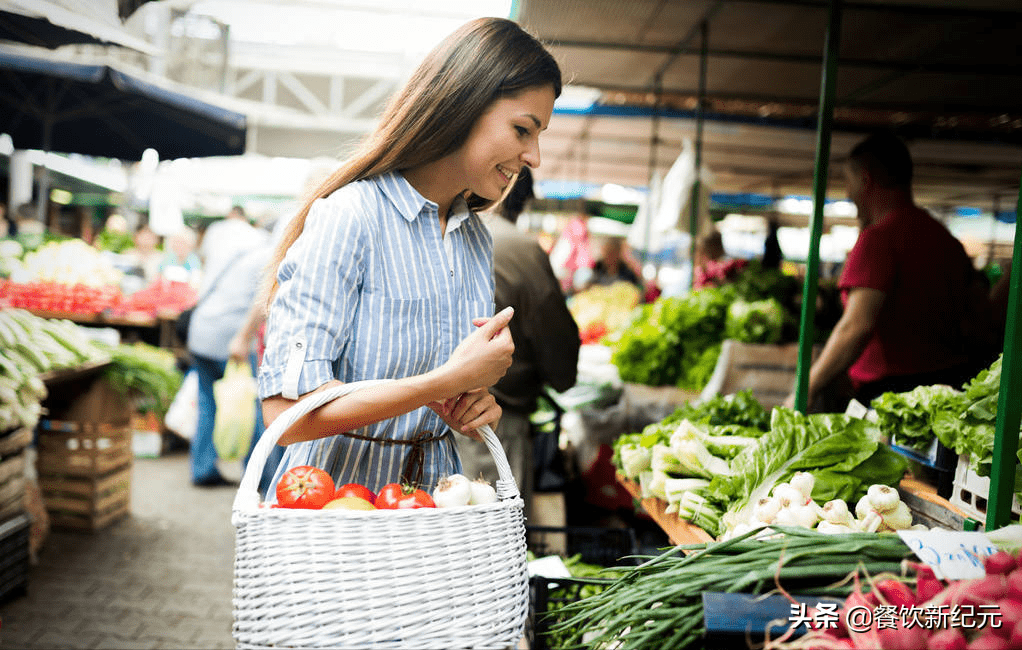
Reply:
x=522, y=131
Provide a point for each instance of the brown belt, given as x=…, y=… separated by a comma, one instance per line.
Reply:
x=412, y=473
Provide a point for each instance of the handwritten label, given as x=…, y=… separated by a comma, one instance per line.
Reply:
x=953, y=555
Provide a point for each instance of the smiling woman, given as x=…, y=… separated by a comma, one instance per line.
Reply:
x=387, y=271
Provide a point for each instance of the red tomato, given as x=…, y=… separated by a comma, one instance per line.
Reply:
x=355, y=490
x=305, y=487
x=394, y=496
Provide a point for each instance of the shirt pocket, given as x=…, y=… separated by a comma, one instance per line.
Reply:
x=393, y=338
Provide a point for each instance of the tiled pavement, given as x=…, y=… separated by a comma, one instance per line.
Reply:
x=160, y=578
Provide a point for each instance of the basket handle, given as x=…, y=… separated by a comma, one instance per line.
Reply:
x=247, y=498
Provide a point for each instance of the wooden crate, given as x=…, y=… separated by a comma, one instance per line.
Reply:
x=12, y=485
x=87, y=503
x=14, y=442
x=86, y=449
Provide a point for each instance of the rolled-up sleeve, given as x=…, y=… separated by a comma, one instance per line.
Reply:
x=312, y=313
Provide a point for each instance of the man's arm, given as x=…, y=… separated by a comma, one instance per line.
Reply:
x=847, y=341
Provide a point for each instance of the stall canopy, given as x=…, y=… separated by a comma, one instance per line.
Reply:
x=96, y=110
x=54, y=23
x=945, y=74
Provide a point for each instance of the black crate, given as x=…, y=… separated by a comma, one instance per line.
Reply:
x=14, y=533
x=546, y=598
x=595, y=545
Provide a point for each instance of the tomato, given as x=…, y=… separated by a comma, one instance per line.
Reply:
x=355, y=490
x=394, y=496
x=305, y=487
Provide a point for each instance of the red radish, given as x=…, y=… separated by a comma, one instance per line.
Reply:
x=858, y=600
x=896, y=593
x=902, y=637
x=1011, y=616
x=927, y=584
x=1015, y=585
x=989, y=641
x=947, y=639
x=1015, y=640
x=989, y=589
x=1000, y=562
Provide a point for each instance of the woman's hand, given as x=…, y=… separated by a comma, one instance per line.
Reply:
x=483, y=356
x=467, y=412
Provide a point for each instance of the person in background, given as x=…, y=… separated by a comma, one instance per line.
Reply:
x=611, y=265
x=914, y=311
x=229, y=287
x=772, y=255
x=181, y=263
x=146, y=255
x=545, y=335
x=388, y=272
x=712, y=268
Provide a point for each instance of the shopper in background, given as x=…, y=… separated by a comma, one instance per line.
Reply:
x=545, y=335
x=611, y=265
x=146, y=254
x=229, y=286
x=915, y=313
x=387, y=271
x=181, y=263
x=772, y=254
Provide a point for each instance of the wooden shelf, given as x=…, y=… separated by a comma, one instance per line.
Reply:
x=678, y=530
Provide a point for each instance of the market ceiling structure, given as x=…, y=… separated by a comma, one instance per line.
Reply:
x=946, y=75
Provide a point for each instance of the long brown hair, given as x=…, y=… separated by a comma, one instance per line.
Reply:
x=482, y=61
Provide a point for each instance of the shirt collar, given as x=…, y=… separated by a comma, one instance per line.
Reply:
x=410, y=204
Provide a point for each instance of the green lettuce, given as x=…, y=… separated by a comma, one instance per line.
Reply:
x=909, y=416
x=760, y=321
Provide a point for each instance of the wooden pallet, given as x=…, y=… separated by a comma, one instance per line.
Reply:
x=86, y=449
x=87, y=503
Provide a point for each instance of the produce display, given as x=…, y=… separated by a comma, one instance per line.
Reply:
x=61, y=297
x=979, y=614
x=658, y=604
x=603, y=309
x=675, y=341
x=963, y=420
x=714, y=463
x=68, y=262
x=29, y=346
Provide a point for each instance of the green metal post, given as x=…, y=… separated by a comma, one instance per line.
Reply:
x=1009, y=400
x=824, y=123
x=697, y=188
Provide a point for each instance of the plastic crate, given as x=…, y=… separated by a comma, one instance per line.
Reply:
x=14, y=557
x=971, y=491
x=596, y=545
x=546, y=596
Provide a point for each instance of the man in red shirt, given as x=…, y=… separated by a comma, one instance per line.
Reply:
x=913, y=308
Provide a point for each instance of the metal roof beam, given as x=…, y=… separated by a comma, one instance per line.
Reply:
x=762, y=55
x=901, y=8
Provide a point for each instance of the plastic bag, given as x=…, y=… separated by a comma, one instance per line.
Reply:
x=183, y=414
x=235, y=396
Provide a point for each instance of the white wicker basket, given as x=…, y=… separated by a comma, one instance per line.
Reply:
x=425, y=578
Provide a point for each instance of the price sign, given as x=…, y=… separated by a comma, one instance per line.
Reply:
x=953, y=555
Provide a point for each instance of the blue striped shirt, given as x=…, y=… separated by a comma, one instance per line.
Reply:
x=367, y=292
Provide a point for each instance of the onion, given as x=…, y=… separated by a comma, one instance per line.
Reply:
x=452, y=491
x=883, y=498
x=482, y=492
x=803, y=482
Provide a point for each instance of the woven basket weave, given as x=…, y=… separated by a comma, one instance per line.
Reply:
x=424, y=578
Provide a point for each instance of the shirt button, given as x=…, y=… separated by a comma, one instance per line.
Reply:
x=298, y=346
x=452, y=274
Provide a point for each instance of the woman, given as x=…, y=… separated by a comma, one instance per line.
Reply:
x=386, y=271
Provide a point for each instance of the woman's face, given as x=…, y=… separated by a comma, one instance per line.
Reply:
x=504, y=139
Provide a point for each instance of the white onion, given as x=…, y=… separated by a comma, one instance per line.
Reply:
x=482, y=492
x=452, y=491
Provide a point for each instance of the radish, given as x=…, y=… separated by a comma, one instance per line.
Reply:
x=1000, y=562
x=1015, y=640
x=902, y=637
x=896, y=593
x=1015, y=585
x=947, y=639
x=1011, y=616
x=927, y=584
x=989, y=641
x=988, y=589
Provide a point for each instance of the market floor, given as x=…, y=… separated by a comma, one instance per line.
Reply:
x=160, y=578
